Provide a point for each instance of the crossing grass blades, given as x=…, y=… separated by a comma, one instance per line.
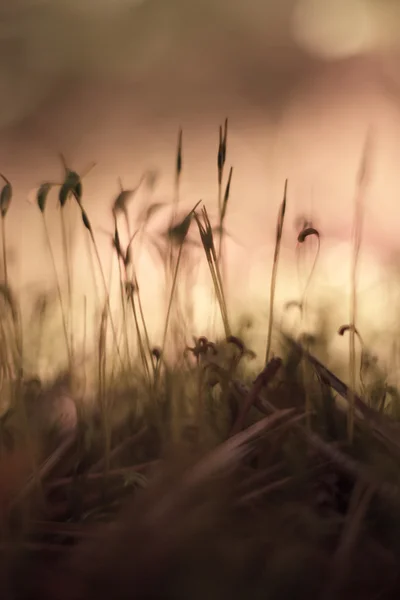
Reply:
x=261, y=489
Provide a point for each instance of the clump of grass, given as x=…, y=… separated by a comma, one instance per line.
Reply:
x=129, y=285
x=208, y=471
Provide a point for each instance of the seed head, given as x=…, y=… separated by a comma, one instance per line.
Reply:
x=41, y=197
x=179, y=155
x=86, y=221
x=5, y=197
x=305, y=233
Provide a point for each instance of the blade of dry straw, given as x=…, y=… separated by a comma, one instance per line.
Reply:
x=388, y=491
x=359, y=201
x=378, y=421
x=46, y=468
x=225, y=457
x=279, y=231
x=262, y=380
x=341, y=564
x=207, y=240
x=234, y=448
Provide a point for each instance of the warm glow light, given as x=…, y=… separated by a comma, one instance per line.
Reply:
x=317, y=146
x=334, y=29
x=309, y=129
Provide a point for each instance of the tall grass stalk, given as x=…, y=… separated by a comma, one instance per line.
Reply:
x=142, y=352
x=71, y=188
x=186, y=287
x=41, y=201
x=222, y=202
x=102, y=391
x=117, y=248
x=88, y=226
x=278, y=240
x=362, y=182
x=67, y=266
x=84, y=345
x=6, y=358
x=109, y=288
x=221, y=160
x=207, y=240
x=130, y=290
x=171, y=255
x=89, y=251
x=175, y=201
x=128, y=262
x=183, y=231
x=59, y=293
x=126, y=259
x=168, y=315
x=145, y=329
x=221, y=228
x=4, y=245
x=9, y=300
x=178, y=171
x=5, y=201
x=306, y=232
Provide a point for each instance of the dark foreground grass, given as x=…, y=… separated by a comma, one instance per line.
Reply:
x=198, y=476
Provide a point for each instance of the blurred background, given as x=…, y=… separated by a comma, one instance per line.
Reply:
x=301, y=81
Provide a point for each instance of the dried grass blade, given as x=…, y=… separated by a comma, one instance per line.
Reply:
x=266, y=375
x=47, y=468
x=234, y=448
x=379, y=422
x=341, y=564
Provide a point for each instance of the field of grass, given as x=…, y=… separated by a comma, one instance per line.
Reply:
x=190, y=468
